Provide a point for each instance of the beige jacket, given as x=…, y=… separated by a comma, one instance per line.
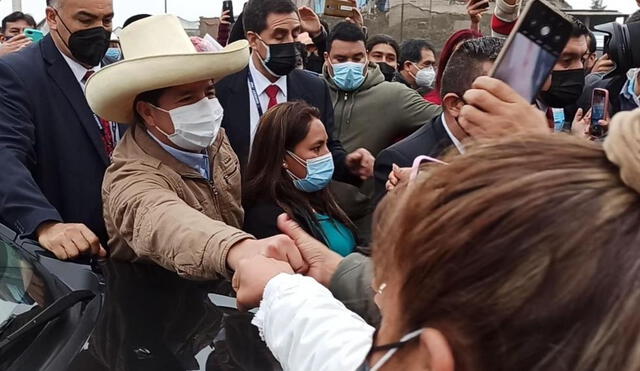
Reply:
x=157, y=209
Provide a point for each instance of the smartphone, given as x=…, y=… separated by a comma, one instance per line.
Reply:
x=485, y=6
x=532, y=49
x=34, y=35
x=599, y=108
x=340, y=8
x=228, y=5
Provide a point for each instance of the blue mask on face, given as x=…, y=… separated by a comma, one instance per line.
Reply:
x=114, y=54
x=319, y=173
x=348, y=76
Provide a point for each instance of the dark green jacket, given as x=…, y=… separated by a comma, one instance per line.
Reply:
x=378, y=113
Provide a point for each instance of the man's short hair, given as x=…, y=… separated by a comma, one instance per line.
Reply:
x=345, y=31
x=465, y=64
x=592, y=43
x=633, y=18
x=578, y=28
x=15, y=17
x=411, y=50
x=383, y=39
x=257, y=11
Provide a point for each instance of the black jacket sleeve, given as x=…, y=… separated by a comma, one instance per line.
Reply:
x=261, y=219
x=383, y=166
x=23, y=207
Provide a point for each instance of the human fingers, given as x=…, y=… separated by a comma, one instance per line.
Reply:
x=91, y=238
x=470, y=119
x=283, y=248
x=579, y=115
x=310, y=249
x=497, y=88
x=484, y=100
x=70, y=248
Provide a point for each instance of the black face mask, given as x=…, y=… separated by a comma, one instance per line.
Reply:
x=566, y=88
x=388, y=71
x=281, y=58
x=88, y=46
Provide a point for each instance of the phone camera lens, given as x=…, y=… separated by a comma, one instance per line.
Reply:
x=544, y=31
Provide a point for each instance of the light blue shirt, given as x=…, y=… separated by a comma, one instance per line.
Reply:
x=197, y=161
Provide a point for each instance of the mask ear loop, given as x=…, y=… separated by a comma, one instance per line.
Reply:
x=415, y=168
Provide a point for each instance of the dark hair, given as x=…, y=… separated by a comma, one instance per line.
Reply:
x=279, y=131
x=345, y=31
x=465, y=65
x=15, y=17
x=633, y=18
x=383, y=39
x=449, y=47
x=135, y=18
x=151, y=96
x=411, y=50
x=592, y=44
x=578, y=28
x=257, y=11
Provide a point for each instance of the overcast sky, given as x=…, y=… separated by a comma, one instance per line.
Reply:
x=192, y=9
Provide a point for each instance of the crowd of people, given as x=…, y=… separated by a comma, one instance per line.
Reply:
x=384, y=205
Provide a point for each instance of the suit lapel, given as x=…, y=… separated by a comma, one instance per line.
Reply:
x=63, y=77
x=442, y=138
x=294, y=91
x=237, y=114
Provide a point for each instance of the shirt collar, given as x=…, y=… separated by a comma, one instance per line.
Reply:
x=197, y=161
x=262, y=83
x=455, y=140
x=79, y=71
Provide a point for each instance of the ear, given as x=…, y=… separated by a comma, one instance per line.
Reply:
x=253, y=40
x=435, y=352
x=407, y=65
x=452, y=104
x=145, y=112
x=50, y=16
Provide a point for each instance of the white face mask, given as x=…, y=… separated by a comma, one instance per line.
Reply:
x=196, y=125
x=426, y=77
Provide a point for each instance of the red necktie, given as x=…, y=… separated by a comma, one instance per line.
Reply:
x=272, y=93
x=105, y=126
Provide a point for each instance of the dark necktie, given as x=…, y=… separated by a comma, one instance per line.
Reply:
x=105, y=126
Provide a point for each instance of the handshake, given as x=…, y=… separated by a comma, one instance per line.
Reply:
x=293, y=252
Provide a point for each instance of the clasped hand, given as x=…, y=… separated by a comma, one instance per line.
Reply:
x=253, y=272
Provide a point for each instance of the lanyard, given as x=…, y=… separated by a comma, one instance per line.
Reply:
x=256, y=98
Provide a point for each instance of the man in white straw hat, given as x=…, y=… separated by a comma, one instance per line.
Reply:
x=172, y=193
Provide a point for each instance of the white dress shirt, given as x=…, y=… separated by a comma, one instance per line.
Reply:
x=79, y=71
x=455, y=140
x=262, y=83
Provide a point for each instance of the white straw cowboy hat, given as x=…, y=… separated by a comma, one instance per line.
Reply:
x=158, y=54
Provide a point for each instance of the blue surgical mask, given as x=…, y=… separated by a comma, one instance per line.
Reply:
x=319, y=173
x=349, y=76
x=114, y=54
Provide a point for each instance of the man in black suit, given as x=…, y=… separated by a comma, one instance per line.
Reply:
x=53, y=149
x=271, y=28
x=474, y=58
